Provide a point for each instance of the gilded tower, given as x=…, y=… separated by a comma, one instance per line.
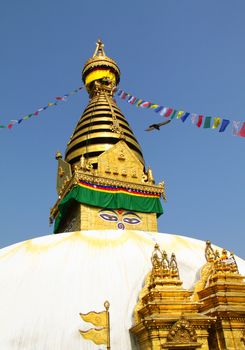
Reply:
x=102, y=182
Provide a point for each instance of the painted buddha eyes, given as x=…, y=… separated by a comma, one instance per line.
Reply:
x=108, y=217
x=131, y=220
x=114, y=216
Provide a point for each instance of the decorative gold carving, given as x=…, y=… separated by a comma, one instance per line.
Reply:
x=165, y=316
x=61, y=171
x=209, y=252
x=243, y=336
x=63, y=174
x=115, y=171
x=182, y=335
x=216, y=264
x=150, y=176
x=134, y=174
x=124, y=172
x=58, y=155
x=107, y=169
x=99, y=50
x=121, y=155
x=173, y=267
x=82, y=163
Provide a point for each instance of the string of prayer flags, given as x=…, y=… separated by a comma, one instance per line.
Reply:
x=200, y=120
x=41, y=109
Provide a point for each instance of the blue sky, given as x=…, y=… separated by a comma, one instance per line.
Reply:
x=186, y=54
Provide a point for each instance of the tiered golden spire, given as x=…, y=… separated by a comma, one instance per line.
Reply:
x=103, y=156
x=102, y=124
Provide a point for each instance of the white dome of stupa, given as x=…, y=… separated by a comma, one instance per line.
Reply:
x=46, y=282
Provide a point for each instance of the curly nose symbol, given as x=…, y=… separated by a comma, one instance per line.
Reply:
x=120, y=226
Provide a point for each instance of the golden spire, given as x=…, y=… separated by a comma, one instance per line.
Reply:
x=102, y=124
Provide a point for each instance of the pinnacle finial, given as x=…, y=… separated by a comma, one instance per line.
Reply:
x=99, y=51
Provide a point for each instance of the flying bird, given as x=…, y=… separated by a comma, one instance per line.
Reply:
x=157, y=126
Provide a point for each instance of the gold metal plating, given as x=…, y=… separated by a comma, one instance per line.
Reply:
x=165, y=315
x=103, y=150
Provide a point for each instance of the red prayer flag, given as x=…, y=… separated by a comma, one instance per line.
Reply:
x=36, y=113
x=199, y=122
x=169, y=112
x=242, y=130
x=10, y=126
x=123, y=95
x=58, y=98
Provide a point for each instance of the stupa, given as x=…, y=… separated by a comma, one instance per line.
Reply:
x=107, y=279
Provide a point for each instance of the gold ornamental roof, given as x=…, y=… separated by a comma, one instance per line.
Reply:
x=100, y=60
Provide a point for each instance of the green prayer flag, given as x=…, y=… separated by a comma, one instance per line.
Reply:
x=173, y=114
x=207, y=122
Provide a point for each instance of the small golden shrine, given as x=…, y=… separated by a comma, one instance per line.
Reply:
x=102, y=183
x=212, y=317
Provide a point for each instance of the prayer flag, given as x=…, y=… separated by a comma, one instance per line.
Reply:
x=2, y=126
x=158, y=109
x=123, y=95
x=50, y=104
x=168, y=112
x=193, y=118
x=119, y=92
x=242, y=130
x=179, y=114
x=235, y=127
x=207, y=123
x=225, y=123
x=199, y=122
x=10, y=126
x=163, y=111
x=145, y=104
x=58, y=98
x=184, y=117
x=36, y=113
x=139, y=102
x=26, y=117
x=131, y=100
x=20, y=120
x=217, y=121
x=153, y=106
x=173, y=114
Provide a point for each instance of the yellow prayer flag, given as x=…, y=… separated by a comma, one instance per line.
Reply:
x=179, y=114
x=98, y=336
x=153, y=106
x=98, y=319
x=217, y=121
